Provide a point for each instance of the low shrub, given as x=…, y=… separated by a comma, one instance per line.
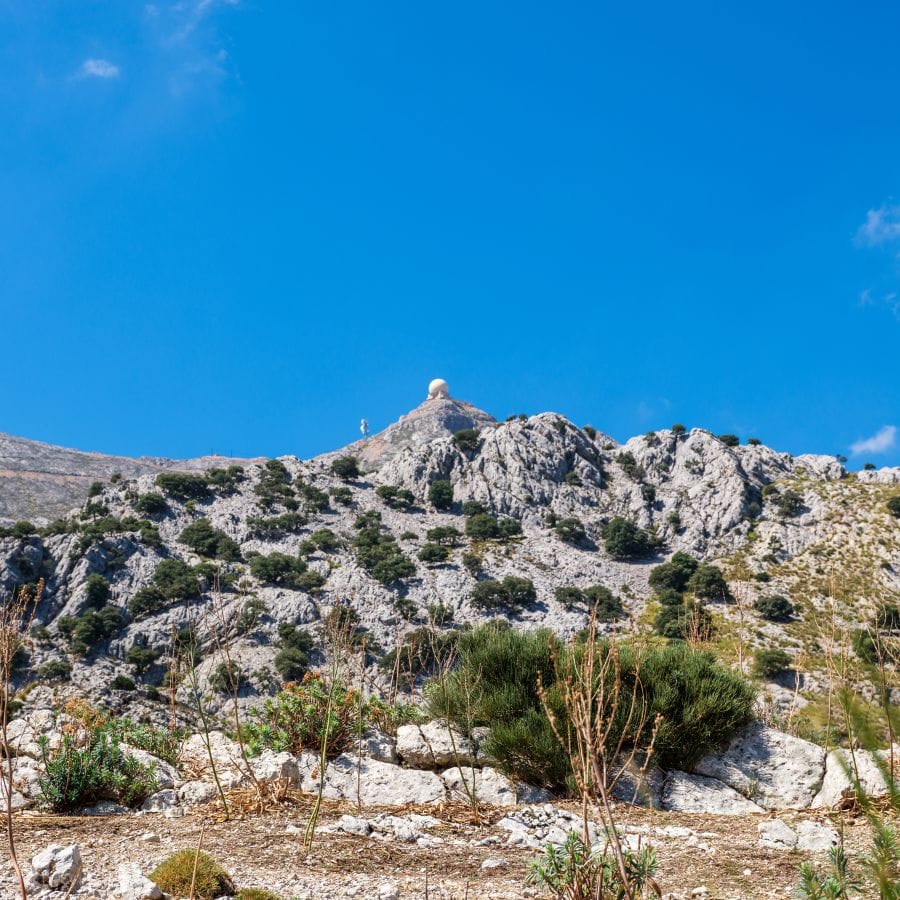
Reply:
x=225, y=480
x=346, y=468
x=56, y=670
x=183, y=486
x=625, y=540
x=92, y=627
x=97, y=591
x=630, y=465
x=440, y=495
x=485, y=527
x=380, y=555
x=473, y=508
x=342, y=495
x=267, y=527
x=570, y=530
x=893, y=506
x=207, y=541
x=286, y=571
x=775, y=608
x=177, y=873
x=605, y=604
x=395, y=497
x=123, y=683
x=256, y=894
x=446, y=535
x=708, y=583
x=75, y=776
x=141, y=658
x=512, y=593
x=569, y=597
x=173, y=580
x=770, y=663
x=434, y=553
x=151, y=504
x=467, y=440
x=729, y=440
x=679, y=620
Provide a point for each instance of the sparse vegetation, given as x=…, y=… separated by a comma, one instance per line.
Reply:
x=440, y=495
x=770, y=663
x=346, y=468
x=775, y=608
x=395, y=497
x=625, y=540
x=192, y=873
x=467, y=440
x=207, y=541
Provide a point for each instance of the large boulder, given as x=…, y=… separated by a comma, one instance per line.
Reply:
x=276, y=767
x=843, y=768
x=57, y=866
x=488, y=786
x=774, y=769
x=374, y=783
x=684, y=792
x=434, y=745
x=166, y=774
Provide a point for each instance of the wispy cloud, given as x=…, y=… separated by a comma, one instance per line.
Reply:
x=98, y=68
x=882, y=226
x=883, y=440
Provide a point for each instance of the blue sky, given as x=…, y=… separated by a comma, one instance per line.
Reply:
x=239, y=225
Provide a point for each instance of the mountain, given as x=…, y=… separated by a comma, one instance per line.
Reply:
x=799, y=527
x=39, y=482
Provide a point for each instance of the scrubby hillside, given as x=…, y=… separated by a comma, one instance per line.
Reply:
x=533, y=519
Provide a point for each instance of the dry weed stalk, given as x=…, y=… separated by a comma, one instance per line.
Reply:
x=16, y=616
x=601, y=716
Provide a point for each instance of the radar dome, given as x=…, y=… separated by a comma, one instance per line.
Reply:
x=438, y=390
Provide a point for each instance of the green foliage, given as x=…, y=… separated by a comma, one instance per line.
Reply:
x=570, y=530
x=836, y=883
x=173, y=580
x=674, y=574
x=625, y=540
x=301, y=716
x=754, y=442
x=228, y=678
x=576, y=871
x=183, y=486
x=569, y=597
x=787, y=502
x=123, y=683
x=93, y=626
x=679, y=619
x=473, y=508
x=770, y=663
x=346, y=468
x=512, y=593
x=440, y=494
x=434, y=553
x=95, y=489
x=729, y=440
x=141, y=658
x=274, y=485
x=96, y=590
x=324, y=539
x=630, y=465
x=708, y=583
x=268, y=527
x=256, y=894
x=445, y=535
x=590, y=431
x=380, y=555
x=286, y=571
x=342, y=495
x=207, y=541
x=484, y=527
x=176, y=873
x=225, y=480
x=472, y=563
x=774, y=608
x=893, y=506
x=467, y=440
x=678, y=429
x=151, y=504
x=606, y=605
x=81, y=776
x=56, y=670
x=395, y=497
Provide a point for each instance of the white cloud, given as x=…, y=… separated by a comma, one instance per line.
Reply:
x=882, y=226
x=880, y=442
x=98, y=68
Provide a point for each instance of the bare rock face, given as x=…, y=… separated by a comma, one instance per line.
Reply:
x=775, y=769
x=684, y=792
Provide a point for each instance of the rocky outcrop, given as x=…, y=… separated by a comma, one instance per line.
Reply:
x=684, y=792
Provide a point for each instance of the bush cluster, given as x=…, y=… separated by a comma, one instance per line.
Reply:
x=90, y=628
x=151, y=504
x=173, y=580
x=292, y=659
x=775, y=608
x=285, y=571
x=770, y=663
x=511, y=593
x=187, y=872
x=379, y=554
x=183, y=486
x=346, y=468
x=600, y=599
x=570, y=530
x=467, y=440
x=623, y=539
x=269, y=527
x=395, y=497
x=207, y=541
x=484, y=527
x=274, y=486
x=440, y=495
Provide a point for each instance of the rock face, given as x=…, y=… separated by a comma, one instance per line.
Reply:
x=433, y=746
x=843, y=769
x=776, y=770
x=376, y=783
x=695, y=793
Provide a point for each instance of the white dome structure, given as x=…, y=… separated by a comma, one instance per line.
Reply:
x=438, y=390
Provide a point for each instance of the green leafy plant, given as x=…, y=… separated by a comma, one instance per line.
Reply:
x=625, y=540
x=346, y=468
x=467, y=440
x=440, y=495
x=202, y=538
x=770, y=663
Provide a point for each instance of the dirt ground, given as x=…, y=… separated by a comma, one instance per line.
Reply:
x=266, y=850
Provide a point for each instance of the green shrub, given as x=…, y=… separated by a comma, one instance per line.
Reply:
x=467, y=440
x=420, y=652
x=175, y=874
x=183, y=486
x=770, y=663
x=256, y=894
x=207, y=541
x=674, y=574
x=346, y=468
x=569, y=597
x=380, y=555
x=395, y=497
x=865, y=645
x=56, y=670
x=173, y=580
x=570, y=530
x=473, y=508
x=630, y=465
x=512, y=593
x=775, y=608
x=893, y=506
x=729, y=440
x=472, y=563
x=96, y=590
x=151, y=504
x=445, y=535
x=267, y=527
x=434, y=553
x=482, y=527
x=678, y=620
x=678, y=429
x=342, y=495
x=279, y=568
x=624, y=540
x=228, y=678
x=440, y=494
x=123, y=683
x=75, y=777
x=590, y=431
x=298, y=718
x=708, y=583
x=787, y=502
x=141, y=658
x=92, y=627
x=754, y=442
x=274, y=485
x=225, y=480
x=572, y=478
x=605, y=604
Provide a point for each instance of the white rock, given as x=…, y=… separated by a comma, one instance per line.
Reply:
x=378, y=745
x=57, y=866
x=815, y=837
x=194, y=792
x=376, y=783
x=684, y=792
x=387, y=890
x=491, y=864
x=775, y=769
x=839, y=767
x=355, y=825
x=488, y=785
x=271, y=767
x=166, y=775
x=161, y=801
x=133, y=885
x=433, y=746
x=774, y=834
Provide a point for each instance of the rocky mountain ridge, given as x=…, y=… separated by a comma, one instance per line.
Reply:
x=770, y=519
